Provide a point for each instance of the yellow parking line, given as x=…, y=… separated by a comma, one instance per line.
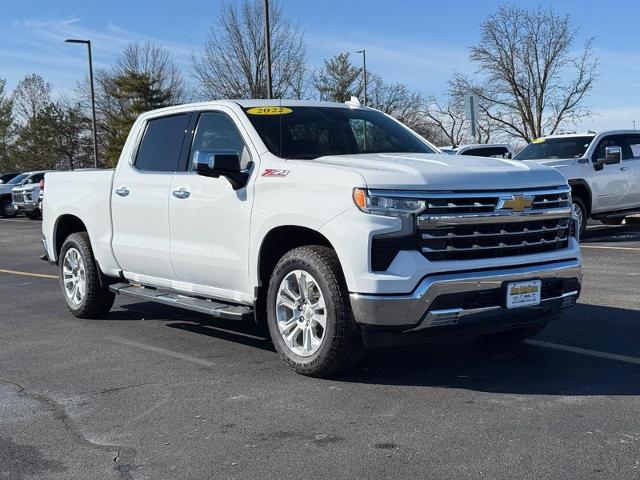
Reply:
x=602, y=247
x=28, y=274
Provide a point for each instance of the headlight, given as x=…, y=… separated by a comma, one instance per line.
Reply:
x=386, y=204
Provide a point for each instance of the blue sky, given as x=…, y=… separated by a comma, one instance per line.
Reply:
x=416, y=42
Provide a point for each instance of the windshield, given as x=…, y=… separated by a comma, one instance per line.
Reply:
x=555, y=148
x=311, y=132
x=18, y=179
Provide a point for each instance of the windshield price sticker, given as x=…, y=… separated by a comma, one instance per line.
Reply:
x=538, y=140
x=269, y=111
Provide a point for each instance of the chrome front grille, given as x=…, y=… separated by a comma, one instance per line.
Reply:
x=18, y=197
x=463, y=226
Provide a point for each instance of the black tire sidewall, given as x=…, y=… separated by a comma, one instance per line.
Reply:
x=3, y=209
x=286, y=266
x=585, y=215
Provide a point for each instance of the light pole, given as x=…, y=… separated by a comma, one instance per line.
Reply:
x=267, y=48
x=93, y=99
x=364, y=72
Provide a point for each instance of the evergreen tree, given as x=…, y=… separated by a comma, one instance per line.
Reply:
x=6, y=128
x=338, y=80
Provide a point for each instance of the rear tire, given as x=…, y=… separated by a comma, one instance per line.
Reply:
x=335, y=346
x=80, y=279
x=6, y=209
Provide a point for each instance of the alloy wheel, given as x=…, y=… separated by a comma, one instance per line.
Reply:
x=301, y=313
x=74, y=276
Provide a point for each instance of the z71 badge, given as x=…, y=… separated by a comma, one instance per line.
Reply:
x=275, y=172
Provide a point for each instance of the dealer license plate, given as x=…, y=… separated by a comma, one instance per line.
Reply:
x=522, y=294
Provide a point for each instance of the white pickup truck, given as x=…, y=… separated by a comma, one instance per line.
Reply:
x=335, y=224
x=603, y=170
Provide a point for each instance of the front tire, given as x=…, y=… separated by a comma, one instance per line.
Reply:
x=80, y=280
x=583, y=214
x=309, y=314
x=35, y=215
x=6, y=209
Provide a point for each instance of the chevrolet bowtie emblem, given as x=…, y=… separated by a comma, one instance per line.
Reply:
x=517, y=203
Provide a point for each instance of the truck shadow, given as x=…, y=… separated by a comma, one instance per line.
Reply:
x=248, y=334
x=537, y=368
x=612, y=234
x=541, y=367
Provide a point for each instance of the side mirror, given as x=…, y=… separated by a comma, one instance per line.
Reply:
x=612, y=155
x=220, y=163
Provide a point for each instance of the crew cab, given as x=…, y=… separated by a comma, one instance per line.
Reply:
x=334, y=224
x=603, y=170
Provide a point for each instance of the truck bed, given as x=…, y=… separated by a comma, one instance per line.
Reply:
x=85, y=194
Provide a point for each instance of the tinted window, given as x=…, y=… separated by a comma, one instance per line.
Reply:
x=500, y=152
x=630, y=145
x=216, y=131
x=311, y=132
x=555, y=148
x=18, y=179
x=36, y=178
x=160, y=147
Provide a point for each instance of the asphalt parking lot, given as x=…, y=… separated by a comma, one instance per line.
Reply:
x=157, y=393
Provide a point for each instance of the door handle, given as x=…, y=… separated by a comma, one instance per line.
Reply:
x=623, y=169
x=123, y=191
x=181, y=193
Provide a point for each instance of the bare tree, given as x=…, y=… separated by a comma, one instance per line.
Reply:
x=402, y=103
x=30, y=96
x=233, y=64
x=532, y=83
x=448, y=117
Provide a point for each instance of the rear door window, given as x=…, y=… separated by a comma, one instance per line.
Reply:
x=160, y=148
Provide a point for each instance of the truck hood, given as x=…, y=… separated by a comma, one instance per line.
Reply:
x=4, y=188
x=554, y=162
x=445, y=172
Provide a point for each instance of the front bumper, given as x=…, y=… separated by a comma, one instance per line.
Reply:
x=26, y=206
x=467, y=298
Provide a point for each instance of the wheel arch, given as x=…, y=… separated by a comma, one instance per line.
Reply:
x=277, y=242
x=66, y=225
x=581, y=189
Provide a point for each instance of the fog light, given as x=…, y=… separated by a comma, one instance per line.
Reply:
x=568, y=301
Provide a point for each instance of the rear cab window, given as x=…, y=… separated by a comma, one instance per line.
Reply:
x=159, y=150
